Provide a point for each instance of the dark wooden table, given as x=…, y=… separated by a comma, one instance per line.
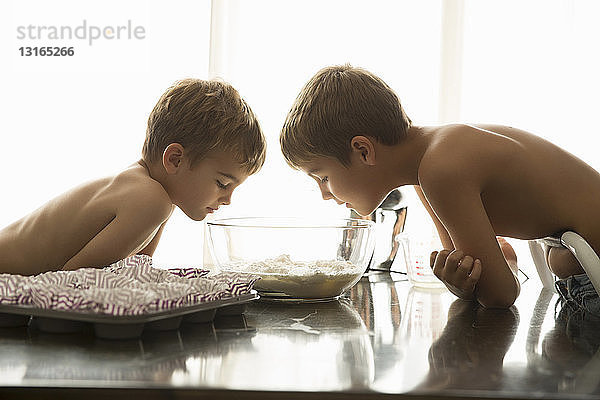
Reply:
x=383, y=338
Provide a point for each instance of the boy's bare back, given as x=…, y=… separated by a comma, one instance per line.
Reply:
x=525, y=186
x=89, y=225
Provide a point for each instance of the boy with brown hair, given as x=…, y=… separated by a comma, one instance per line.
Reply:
x=202, y=141
x=348, y=131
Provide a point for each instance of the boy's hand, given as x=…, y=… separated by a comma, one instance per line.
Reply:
x=459, y=272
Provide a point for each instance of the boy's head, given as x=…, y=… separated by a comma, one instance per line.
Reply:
x=205, y=117
x=337, y=104
x=343, y=110
x=207, y=140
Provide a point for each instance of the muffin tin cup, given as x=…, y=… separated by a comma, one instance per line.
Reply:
x=120, y=326
x=200, y=317
x=13, y=320
x=236, y=309
x=56, y=325
x=118, y=331
x=166, y=324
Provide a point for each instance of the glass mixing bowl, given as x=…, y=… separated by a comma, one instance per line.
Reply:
x=296, y=258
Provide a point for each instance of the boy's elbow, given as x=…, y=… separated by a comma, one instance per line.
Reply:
x=500, y=292
x=498, y=300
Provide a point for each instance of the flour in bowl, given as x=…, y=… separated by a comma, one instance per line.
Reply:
x=314, y=279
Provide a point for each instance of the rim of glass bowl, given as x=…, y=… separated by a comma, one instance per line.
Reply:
x=337, y=223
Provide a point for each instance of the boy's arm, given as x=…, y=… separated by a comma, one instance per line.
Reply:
x=459, y=207
x=442, y=232
x=134, y=223
x=509, y=253
x=151, y=247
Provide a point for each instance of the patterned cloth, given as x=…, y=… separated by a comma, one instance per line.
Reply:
x=128, y=287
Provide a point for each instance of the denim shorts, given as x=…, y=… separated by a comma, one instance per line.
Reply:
x=578, y=293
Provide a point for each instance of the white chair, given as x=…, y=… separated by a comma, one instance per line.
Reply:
x=578, y=246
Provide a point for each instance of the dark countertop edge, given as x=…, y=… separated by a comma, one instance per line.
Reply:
x=93, y=393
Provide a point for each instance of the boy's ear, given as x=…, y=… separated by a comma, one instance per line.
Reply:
x=172, y=158
x=363, y=147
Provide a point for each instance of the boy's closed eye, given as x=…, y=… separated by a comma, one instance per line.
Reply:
x=229, y=178
x=221, y=185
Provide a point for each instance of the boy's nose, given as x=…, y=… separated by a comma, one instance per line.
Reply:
x=225, y=200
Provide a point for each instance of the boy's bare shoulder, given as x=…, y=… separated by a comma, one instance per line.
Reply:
x=464, y=155
x=446, y=159
x=135, y=190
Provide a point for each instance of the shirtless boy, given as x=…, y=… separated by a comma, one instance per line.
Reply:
x=348, y=131
x=202, y=141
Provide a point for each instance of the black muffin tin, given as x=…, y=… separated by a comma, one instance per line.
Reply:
x=120, y=326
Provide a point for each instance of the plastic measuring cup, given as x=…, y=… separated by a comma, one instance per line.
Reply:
x=416, y=251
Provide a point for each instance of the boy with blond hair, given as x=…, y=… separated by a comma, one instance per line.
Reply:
x=202, y=141
x=348, y=131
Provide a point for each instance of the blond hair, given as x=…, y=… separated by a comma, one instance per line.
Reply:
x=338, y=103
x=204, y=116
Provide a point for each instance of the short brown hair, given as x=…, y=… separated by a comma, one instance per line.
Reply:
x=338, y=103
x=204, y=116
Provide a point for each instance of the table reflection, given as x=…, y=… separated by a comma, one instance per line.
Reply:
x=400, y=339
x=469, y=353
x=384, y=336
x=321, y=346
x=570, y=351
x=83, y=357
